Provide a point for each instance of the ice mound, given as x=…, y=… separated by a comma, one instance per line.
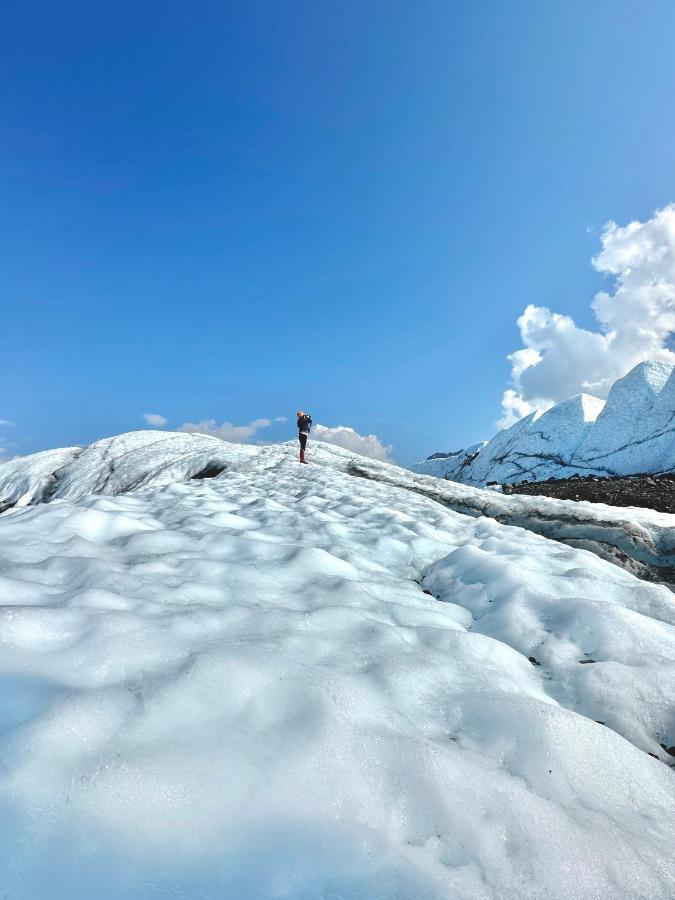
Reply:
x=244, y=687
x=450, y=465
x=622, y=441
x=530, y=446
x=633, y=432
x=31, y=479
x=115, y=465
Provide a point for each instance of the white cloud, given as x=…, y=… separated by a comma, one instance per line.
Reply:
x=235, y=434
x=154, y=419
x=514, y=408
x=636, y=321
x=343, y=436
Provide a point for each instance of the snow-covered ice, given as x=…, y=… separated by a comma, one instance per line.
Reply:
x=114, y=466
x=636, y=430
x=27, y=480
x=239, y=687
x=641, y=540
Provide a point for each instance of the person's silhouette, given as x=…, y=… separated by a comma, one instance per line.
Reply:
x=304, y=427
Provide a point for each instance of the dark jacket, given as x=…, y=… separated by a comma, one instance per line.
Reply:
x=304, y=424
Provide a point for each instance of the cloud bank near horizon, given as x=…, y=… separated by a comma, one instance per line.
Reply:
x=636, y=320
x=344, y=436
x=340, y=435
x=234, y=434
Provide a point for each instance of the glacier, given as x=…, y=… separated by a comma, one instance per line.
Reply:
x=223, y=674
x=633, y=432
x=113, y=466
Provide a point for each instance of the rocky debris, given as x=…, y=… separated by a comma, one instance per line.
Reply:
x=646, y=491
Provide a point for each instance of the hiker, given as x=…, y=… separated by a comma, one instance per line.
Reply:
x=304, y=426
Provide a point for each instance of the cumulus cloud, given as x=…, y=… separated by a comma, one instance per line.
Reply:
x=513, y=408
x=154, y=419
x=235, y=434
x=636, y=321
x=343, y=436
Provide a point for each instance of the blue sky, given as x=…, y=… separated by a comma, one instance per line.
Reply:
x=232, y=210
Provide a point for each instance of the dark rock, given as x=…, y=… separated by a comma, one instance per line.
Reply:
x=647, y=490
x=586, y=661
x=533, y=661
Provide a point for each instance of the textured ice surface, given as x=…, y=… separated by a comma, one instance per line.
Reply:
x=633, y=432
x=114, y=466
x=628, y=435
x=640, y=540
x=29, y=479
x=237, y=687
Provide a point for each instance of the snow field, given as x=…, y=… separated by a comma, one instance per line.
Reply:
x=604, y=641
x=238, y=688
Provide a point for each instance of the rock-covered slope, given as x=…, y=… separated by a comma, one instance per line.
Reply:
x=288, y=682
x=632, y=432
x=652, y=491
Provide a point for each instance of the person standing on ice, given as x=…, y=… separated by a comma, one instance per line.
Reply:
x=304, y=427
